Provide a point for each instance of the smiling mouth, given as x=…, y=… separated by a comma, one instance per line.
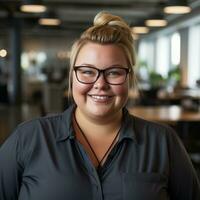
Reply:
x=101, y=97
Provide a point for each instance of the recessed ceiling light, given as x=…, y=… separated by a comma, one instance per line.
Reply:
x=49, y=18
x=49, y=22
x=140, y=29
x=32, y=6
x=177, y=7
x=156, y=22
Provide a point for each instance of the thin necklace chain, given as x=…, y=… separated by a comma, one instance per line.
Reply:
x=86, y=139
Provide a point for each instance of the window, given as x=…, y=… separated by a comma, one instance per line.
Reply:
x=175, y=49
x=146, y=53
x=193, y=55
x=162, y=56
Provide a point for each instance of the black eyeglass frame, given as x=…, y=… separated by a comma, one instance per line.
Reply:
x=75, y=68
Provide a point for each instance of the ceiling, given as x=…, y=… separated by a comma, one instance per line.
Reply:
x=78, y=14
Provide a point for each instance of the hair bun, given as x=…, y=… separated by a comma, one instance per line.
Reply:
x=105, y=18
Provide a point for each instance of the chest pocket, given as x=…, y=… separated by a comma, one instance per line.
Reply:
x=144, y=186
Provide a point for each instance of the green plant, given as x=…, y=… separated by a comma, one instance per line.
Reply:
x=156, y=80
x=174, y=76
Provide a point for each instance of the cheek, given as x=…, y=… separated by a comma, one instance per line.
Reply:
x=79, y=88
x=121, y=90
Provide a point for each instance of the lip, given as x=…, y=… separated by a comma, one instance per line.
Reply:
x=101, y=98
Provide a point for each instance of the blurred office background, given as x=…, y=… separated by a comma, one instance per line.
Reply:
x=34, y=60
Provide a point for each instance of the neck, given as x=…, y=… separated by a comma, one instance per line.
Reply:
x=97, y=127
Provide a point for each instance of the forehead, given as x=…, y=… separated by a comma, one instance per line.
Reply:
x=101, y=55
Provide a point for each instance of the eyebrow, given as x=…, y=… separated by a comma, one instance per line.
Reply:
x=111, y=66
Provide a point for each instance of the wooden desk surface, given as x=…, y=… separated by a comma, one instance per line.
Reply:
x=180, y=94
x=165, y=114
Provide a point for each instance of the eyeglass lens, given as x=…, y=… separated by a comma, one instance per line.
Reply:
x=88, y=75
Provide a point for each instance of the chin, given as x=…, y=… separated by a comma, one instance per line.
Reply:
x=103, y=113
x=99, y=112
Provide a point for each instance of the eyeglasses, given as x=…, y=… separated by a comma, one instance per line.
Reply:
x=112, y=75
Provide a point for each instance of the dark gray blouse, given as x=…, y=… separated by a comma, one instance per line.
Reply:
x=42, y=160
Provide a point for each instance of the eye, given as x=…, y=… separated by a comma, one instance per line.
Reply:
x=115, y=72
x=85, y=71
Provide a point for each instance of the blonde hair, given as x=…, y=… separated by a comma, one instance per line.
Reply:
x=106, y=29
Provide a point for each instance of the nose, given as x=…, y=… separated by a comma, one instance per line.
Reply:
x=101, y=82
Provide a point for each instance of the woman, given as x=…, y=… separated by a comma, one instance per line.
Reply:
x=96, y=149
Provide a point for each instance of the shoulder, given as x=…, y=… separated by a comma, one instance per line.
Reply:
x=41, y=127
x=157, y=137
x=40, y=122
x=149, y=129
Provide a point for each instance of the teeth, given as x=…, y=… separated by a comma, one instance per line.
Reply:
x=100, y=97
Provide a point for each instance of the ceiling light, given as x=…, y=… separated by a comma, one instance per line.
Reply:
x=156, y=21
x=49, y=22
x=3, y=53
x=177, y=7
x=49, y=18
x=32, y=6
x=140, y=29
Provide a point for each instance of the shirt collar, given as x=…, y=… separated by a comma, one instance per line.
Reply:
x=67, y=132
x=127, y=130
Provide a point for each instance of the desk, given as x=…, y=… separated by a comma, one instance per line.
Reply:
x=180, y=94
x=165, y=114
x=175, y=116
